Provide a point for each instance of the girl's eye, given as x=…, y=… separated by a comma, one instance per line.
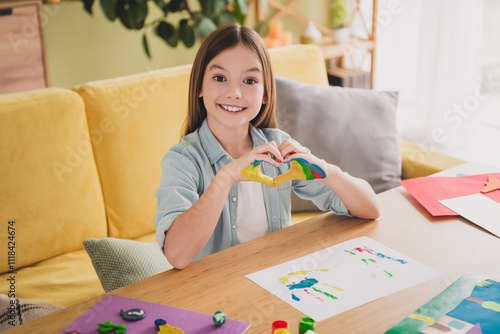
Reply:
x=219, y=78
x=250, y=81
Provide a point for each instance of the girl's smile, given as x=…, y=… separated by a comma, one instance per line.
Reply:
x=231, y=109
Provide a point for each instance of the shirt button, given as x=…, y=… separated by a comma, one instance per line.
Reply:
x=234, y=226
x=273, y=191
x=275, y=219
x=234, y=199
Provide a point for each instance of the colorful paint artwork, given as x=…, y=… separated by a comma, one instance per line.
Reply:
x=300, y=169
x=341, y=277
x=471, y=305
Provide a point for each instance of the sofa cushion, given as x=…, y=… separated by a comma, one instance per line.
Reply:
x=354, y=129
x=49, y=185
x=419, y=161
x=119, y=262
x=63, y=280
x=301, y=62
x=133, y=121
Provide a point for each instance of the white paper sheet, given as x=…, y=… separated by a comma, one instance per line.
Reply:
x=479, y=209
x=341, y=277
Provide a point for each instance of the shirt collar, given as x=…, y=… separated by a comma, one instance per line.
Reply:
x=210, y=144
x=214, y=149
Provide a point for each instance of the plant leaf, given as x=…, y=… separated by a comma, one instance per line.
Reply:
x=175, y=6
x=167, y=32
x=208, y=8
x=132, y=14
x=240, y=10
x=225, y=17
x=139, y=10
x=162, y=5
x=145, y=46
x=109, y=8
x=206, y=26
x=211, y=8
x=87, y=5
x=124, y=14
x=187, y=33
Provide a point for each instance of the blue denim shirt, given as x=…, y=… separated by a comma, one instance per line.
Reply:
x=190, y=166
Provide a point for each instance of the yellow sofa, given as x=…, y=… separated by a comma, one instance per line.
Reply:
x=85, y=163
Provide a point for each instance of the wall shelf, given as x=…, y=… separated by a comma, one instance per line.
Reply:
x=333, y=53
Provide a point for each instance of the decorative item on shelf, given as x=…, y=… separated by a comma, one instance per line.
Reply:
x=311, y=35
x=339, y=20
x=277, y=36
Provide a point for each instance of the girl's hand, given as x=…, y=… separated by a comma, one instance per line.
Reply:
x=291, y=150
x=234, y=168
x=356, y=194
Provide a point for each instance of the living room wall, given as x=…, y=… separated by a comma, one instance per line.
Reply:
x=83, y=48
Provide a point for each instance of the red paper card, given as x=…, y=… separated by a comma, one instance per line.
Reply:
x=428, y=191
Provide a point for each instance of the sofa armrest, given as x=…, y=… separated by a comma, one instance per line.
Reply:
x=418, y=161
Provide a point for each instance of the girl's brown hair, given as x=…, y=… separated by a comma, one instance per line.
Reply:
x=221, y=39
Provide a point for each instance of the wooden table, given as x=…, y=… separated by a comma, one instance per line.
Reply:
x=452, y=246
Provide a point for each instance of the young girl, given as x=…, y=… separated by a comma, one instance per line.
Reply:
x=204, y=203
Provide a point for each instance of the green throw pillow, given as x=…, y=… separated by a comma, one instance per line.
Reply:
x=119, y=262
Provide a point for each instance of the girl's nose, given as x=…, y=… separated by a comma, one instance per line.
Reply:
x=234, y=91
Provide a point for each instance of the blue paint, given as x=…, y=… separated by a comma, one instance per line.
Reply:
x=305, y=283
x=380, y=255
x=456, y=324
x=474, y=313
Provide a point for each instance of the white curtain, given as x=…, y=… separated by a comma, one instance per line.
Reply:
x=429, y=50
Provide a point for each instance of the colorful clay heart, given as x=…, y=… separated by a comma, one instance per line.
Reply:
x=300, y=169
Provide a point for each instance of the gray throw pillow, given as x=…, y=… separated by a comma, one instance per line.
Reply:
x=352, y=128
x=119, y=262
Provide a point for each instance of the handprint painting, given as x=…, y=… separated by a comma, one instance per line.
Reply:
x=341, y=277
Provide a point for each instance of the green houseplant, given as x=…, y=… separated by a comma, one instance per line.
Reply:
x=339, y=20
x=179, y=20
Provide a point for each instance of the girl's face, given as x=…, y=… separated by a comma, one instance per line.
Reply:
x=233, y=89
